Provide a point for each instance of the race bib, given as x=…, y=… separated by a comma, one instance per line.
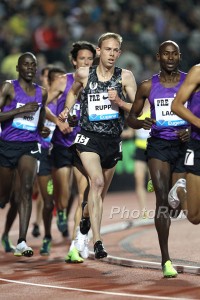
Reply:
x=164, y=115
x=26, y=121
x=100, y=108
x=52, y=127
x=81, y=139
x=189, y=158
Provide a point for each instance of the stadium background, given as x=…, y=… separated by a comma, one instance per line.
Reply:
x=49, y=27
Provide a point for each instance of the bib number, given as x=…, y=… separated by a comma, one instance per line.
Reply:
x=81, y=139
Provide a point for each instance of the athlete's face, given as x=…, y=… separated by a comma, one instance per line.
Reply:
x=169, y=57
x=84, y=59
x=109, y=52
x=27, y=67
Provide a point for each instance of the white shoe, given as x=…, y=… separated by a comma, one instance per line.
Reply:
x=85, y=252
x=173, y=199
x=23, y=250
x=79, y=242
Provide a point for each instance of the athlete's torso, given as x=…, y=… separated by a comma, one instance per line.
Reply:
x=23, y=127
x=160, y=99
x=97, y=113
x=58, y=137
x=194, y=107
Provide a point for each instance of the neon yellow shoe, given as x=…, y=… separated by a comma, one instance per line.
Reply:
x=168, y=270
x=73, y=257
x=150, y=187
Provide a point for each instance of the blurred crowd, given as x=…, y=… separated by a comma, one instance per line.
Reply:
x=49, y=27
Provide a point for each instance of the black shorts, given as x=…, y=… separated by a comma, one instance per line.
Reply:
x=11, y=152
x=192, y=157
x=140, y=154
x=61, y=156
x=45, y=163
x=107, y=147
x=171, y=151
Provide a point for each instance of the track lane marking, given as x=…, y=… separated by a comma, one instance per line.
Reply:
x=93, y=291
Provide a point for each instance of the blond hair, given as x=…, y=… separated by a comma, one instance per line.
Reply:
x=109, y=35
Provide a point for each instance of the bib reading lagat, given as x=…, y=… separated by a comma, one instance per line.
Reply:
x=164, y=115
x=100, y=107
x=26, y=121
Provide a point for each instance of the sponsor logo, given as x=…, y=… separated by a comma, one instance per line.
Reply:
x=93, y=85
x=33, y=152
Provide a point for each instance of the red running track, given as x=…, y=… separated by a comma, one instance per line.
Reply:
x=131, y=271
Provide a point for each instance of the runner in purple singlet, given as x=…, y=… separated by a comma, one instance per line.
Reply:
x=168, y=138
x=22, y=104
x=188, y=190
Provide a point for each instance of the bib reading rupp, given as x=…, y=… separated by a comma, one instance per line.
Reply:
x=23, y=127
x=104, y=117
x=167, y=123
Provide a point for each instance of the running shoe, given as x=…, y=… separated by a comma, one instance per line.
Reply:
x=23, y=250
x=85, y=252
x=36, y=230
x=173, y=199
x=99, y=250
x=61, y=221
x=85, y=221
x=46, y=247
x=73, y=257
x=6, y=243
x=150, y=187
x=168, y=270
x=79, y=241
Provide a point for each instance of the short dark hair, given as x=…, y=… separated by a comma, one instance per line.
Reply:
x=46, y=68
x=81, y=45
x=167, y=43
x=54, y=70
x=27, y=54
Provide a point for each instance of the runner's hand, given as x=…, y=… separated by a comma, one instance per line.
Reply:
x=72, y=120
x=63, y=115
x=29, y=107
x=147, y=123
x=184, y=135
x=45, y=132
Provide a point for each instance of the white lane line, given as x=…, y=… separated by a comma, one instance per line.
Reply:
x=93, y=291
x=120, y=226
x=146, y=264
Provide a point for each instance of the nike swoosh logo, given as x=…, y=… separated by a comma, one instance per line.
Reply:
x=33, y=152
x=105, y=97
